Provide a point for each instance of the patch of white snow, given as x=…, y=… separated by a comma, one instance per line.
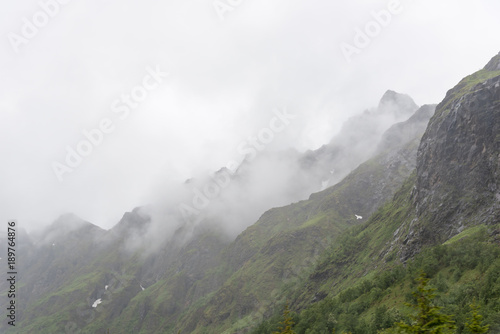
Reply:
x=97, y=302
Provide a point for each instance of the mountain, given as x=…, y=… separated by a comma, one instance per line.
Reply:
x=461, y=187
x=412, y=189
x=286, y=241
x=358, y=138
x=443, y=221
x=169, y=282
x=271, y=179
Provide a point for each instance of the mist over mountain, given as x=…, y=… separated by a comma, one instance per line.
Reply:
x=224, y=252
x=207, y=213
x=250, y=167
x=210, y=83
x=235, y=198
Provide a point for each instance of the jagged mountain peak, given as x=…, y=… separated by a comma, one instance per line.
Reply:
x=493, y=64
x=395, y=102
x=70, y=222
x=389, y=95
x=393, y=107
x=135, y=221
x=65, y=229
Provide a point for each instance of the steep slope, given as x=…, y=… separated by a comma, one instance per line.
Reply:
x=78, y=277
x=197, y=287
x=286, y=242
x=443, y=220
x=196, y=277
x=458, y=175
x=53, y=259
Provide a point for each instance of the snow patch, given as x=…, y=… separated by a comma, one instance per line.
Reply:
x=97, y=302
x=141, y=287
x=358, y=217
x=106, y=287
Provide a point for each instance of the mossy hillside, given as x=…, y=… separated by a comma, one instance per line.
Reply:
x=283, y=258
x=358, y=254
x=75, y=297
x=72, y=296
x=362, y=250
x=262, y=273
x=467, y=233
x=164, y=301
x=156, y=306
x=464, y=270
x=69, y=286
x=250, y=275
x=287, y=242
x=373, y=249
x=123, y=300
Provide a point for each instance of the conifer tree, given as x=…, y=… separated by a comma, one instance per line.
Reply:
x=429, y=319
x=287, y=323
x=475, y=322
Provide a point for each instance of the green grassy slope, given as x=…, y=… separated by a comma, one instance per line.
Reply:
x=463, y=270
x=206, y=286
x=363, y=280
x=287, y=242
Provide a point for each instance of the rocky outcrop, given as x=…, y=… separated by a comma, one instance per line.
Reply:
x=458, y=163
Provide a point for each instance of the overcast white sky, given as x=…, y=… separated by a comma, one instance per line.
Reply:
x=225, y=78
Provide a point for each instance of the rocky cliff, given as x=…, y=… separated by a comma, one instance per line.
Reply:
x=458, y=163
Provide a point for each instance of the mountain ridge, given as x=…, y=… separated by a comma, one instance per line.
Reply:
x=441, y=179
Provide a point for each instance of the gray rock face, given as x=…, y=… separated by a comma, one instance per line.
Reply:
x=458, y=162
x=493, y=64
x=467, y=142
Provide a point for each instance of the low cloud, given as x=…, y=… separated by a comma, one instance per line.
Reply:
x=225, y=78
